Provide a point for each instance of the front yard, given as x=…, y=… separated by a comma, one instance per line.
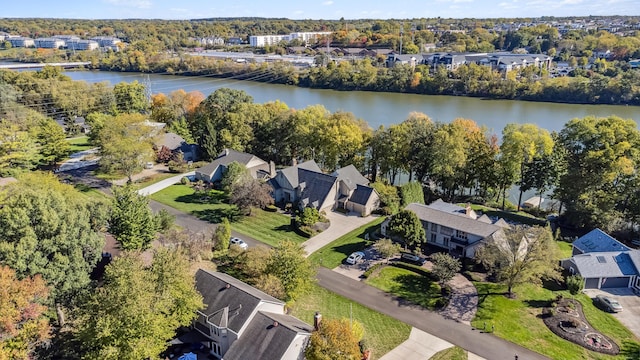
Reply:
x=267, y=227
x=518, y=320
x=381, y=332
x=409, y=285
x=333, y=254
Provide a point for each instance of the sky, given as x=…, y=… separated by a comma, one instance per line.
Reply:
x=314, y=9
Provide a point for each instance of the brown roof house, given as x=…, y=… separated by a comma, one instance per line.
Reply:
x=176, y=143
x=306, y=185
x=240, y=322
x=457, y=229
x=212, y=172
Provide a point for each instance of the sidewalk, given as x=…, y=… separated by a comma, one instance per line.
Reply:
x=162, y=184
x=340, y=224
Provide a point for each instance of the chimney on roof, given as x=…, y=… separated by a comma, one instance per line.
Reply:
x=468, y=209
x=317, y=318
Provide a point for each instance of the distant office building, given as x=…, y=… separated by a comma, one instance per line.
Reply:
x=49, y=43
x=234, y=41
x=106, y=41
x=20, y=41
x=265, y=40
x=79, y=44
x=66, y=37
x=308, y=36
x=210, y=40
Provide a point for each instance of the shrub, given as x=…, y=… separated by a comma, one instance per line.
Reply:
x=575, y=284
x=308, y=217
x=164, y=220
x=184, y=180
x=371, y=270
x=305, y=231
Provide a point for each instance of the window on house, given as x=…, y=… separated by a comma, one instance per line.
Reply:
x=434, y=237
x=216, y=349
x=446, y=230
x=461, y=234
x=446, y=241
x=434, y=227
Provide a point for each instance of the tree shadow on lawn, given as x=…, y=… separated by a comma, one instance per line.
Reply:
x=538, y=303
x=416, y=289
x=212, y=197
x=347, y=249
x=630, y=350
x=215, y=216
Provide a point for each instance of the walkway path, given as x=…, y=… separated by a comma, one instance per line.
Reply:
x=419, y=346
x=340, y=224
x=463, y=303
x=162, y=184
x=474, y=341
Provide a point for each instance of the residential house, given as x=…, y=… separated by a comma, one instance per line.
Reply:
x=394, y=59
x=603, y=262
x=306, y=185
x=241, y=322
x=176, y=143
x=256, y=167
x=457, y=229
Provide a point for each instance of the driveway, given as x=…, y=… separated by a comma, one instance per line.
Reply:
x=162, y=184
x=419, y=346
x=630, y=315
x=340, y=224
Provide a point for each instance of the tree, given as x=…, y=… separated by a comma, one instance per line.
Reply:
x=47, y=231
x=386, y=248
x=18, y=149
x=389, y=198
x=132, y=222
x=53, y=144
x=575, y=284
x=233, y=174
x=251, y=193
x=406, y=225
x=23, y=325
x=164, y=155
x=131, y=97
x=308, y=217
x=334, y=340
x=137, y=310
x=520, y=255
x=445, y=267
x=288, y=262
x=222, y=235
x=412, y=192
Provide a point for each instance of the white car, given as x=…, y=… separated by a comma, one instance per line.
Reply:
x=238, y=242
x=355, y=257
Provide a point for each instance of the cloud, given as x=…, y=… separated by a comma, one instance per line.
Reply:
x=140, y=4
x=327, y=3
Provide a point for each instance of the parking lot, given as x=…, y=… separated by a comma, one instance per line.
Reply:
x=630, y=315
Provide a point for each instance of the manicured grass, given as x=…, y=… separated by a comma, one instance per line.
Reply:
x=80, y=143
x=268, y=227
x=332, y=255
x=453, y=353
x=152, y=179
x=565, y=249
x=381, y=332
x=518, y=320
x=91, y=192
x=408, y=285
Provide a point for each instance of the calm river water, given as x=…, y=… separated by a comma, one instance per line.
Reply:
x=380, y=108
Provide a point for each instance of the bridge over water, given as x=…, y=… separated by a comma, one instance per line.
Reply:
x=65, y=65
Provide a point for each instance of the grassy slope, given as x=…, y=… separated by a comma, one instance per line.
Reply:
x=408, y=285
x=382, y=333
x=453, y=353
x=80, y=143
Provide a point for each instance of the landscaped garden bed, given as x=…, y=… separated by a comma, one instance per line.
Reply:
x=567, y=320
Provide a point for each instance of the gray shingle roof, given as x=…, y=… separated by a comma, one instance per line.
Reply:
x=315, y=187
x=227, y=157
x=361, y=195
x=291, y=173
x=171, y=141
x=221, y=291
x=452, y=220
x=604, y=264
x=598, y=241
x=268, y=336
x=350, y=176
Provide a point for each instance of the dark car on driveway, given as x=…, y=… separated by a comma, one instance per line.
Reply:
x=412, y=258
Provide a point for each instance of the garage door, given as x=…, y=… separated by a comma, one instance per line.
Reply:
x=591, y=283
x=615, y=282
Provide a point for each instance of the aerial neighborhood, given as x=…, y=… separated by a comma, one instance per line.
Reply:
x=265, y=188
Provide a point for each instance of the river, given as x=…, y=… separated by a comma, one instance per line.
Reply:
x=378, y=108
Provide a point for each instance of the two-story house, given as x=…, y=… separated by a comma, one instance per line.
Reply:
x=241, y=322
x=212, y=172
x=457, y=229
x=306, y=185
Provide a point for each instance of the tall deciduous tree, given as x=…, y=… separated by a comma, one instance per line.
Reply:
x=131, y=97
x=386, y=248
x=18, y=149
x=334, y=340
x=520, y=255
x=131, y=222
x=288, y=262
x=406, y=225
x=222, y=235
x=250, y=193
x=138, y=309
x=233, y=174
x=53, y=145
x=23, y=325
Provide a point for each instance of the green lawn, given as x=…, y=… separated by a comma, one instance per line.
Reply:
x=332, y=255
x=408, y=285
x=521, y=216
x=149, y=180
x=453, y=353
x=382, y=333
x=91, y=192
x=268, y=227
x=80, y=143
x=518, y=320
x=565, y=249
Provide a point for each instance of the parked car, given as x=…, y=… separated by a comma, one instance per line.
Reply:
x=412, y=258
x=608, y=303
x=238, y=242
x=355, y=258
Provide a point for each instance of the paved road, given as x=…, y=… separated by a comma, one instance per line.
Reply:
x=482, y=344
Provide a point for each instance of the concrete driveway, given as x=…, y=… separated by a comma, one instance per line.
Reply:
x=340, y=224
x=419, y=346
x=162, y=184
x=630, y=315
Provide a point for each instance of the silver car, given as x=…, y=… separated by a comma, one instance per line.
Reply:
x=608, y=303
x=355, y=258
x=238, y=242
